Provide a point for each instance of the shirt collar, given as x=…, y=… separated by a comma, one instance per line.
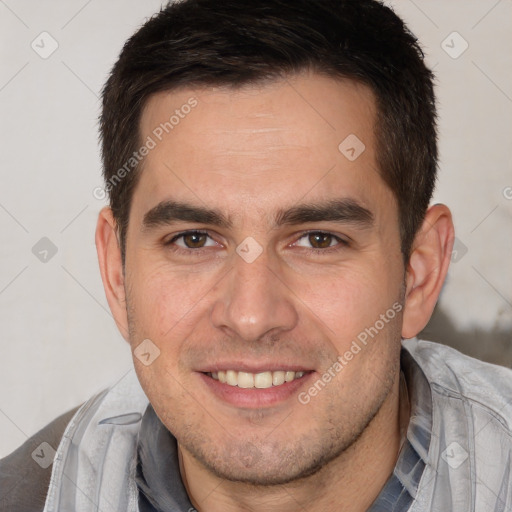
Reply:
x=400, y=490
x=158, y=473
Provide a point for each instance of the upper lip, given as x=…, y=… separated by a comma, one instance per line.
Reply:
x=254, y=367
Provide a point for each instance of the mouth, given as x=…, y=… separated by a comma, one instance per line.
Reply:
x=261, y=380
x=255, y=390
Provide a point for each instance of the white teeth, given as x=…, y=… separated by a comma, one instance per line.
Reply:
x=245, y=380
x=231, y=378
x=262, y=380
x=278, y=378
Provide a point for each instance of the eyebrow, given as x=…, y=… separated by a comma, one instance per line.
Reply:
x=343, y=210
x=168, y=212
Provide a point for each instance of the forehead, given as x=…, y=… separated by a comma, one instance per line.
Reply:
x=261, y=146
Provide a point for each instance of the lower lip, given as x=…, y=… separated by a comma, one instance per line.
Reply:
x=254, y=398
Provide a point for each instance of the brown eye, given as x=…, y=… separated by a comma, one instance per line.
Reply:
x=320, y=240
x=194, y=240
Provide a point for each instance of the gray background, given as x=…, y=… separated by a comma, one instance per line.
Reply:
x=59, y=344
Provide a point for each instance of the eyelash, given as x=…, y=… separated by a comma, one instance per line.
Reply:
x=341, y=243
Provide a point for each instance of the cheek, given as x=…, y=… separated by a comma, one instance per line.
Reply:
x=166, y=303
x=347, y=300
x=164, y=309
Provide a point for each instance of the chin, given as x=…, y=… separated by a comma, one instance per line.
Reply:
x=268, y=465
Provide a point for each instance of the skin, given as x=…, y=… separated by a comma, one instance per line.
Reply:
x=250, y=153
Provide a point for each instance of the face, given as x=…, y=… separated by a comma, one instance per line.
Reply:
x=259, y=252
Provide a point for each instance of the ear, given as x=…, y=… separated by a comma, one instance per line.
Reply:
x=111, y=268
x=427, y=268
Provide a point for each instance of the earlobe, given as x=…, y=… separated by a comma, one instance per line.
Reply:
x=111, y=268
x=427, y=268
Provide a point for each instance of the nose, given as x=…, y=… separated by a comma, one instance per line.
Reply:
x=253, y=301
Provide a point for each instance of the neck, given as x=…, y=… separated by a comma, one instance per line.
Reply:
x=349, y=483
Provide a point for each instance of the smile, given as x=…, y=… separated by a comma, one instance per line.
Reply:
x=262, y=380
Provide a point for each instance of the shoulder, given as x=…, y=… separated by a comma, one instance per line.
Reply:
x=23, y=481
x=453, y=373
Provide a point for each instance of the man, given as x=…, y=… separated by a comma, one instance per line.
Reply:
x=269, y=253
